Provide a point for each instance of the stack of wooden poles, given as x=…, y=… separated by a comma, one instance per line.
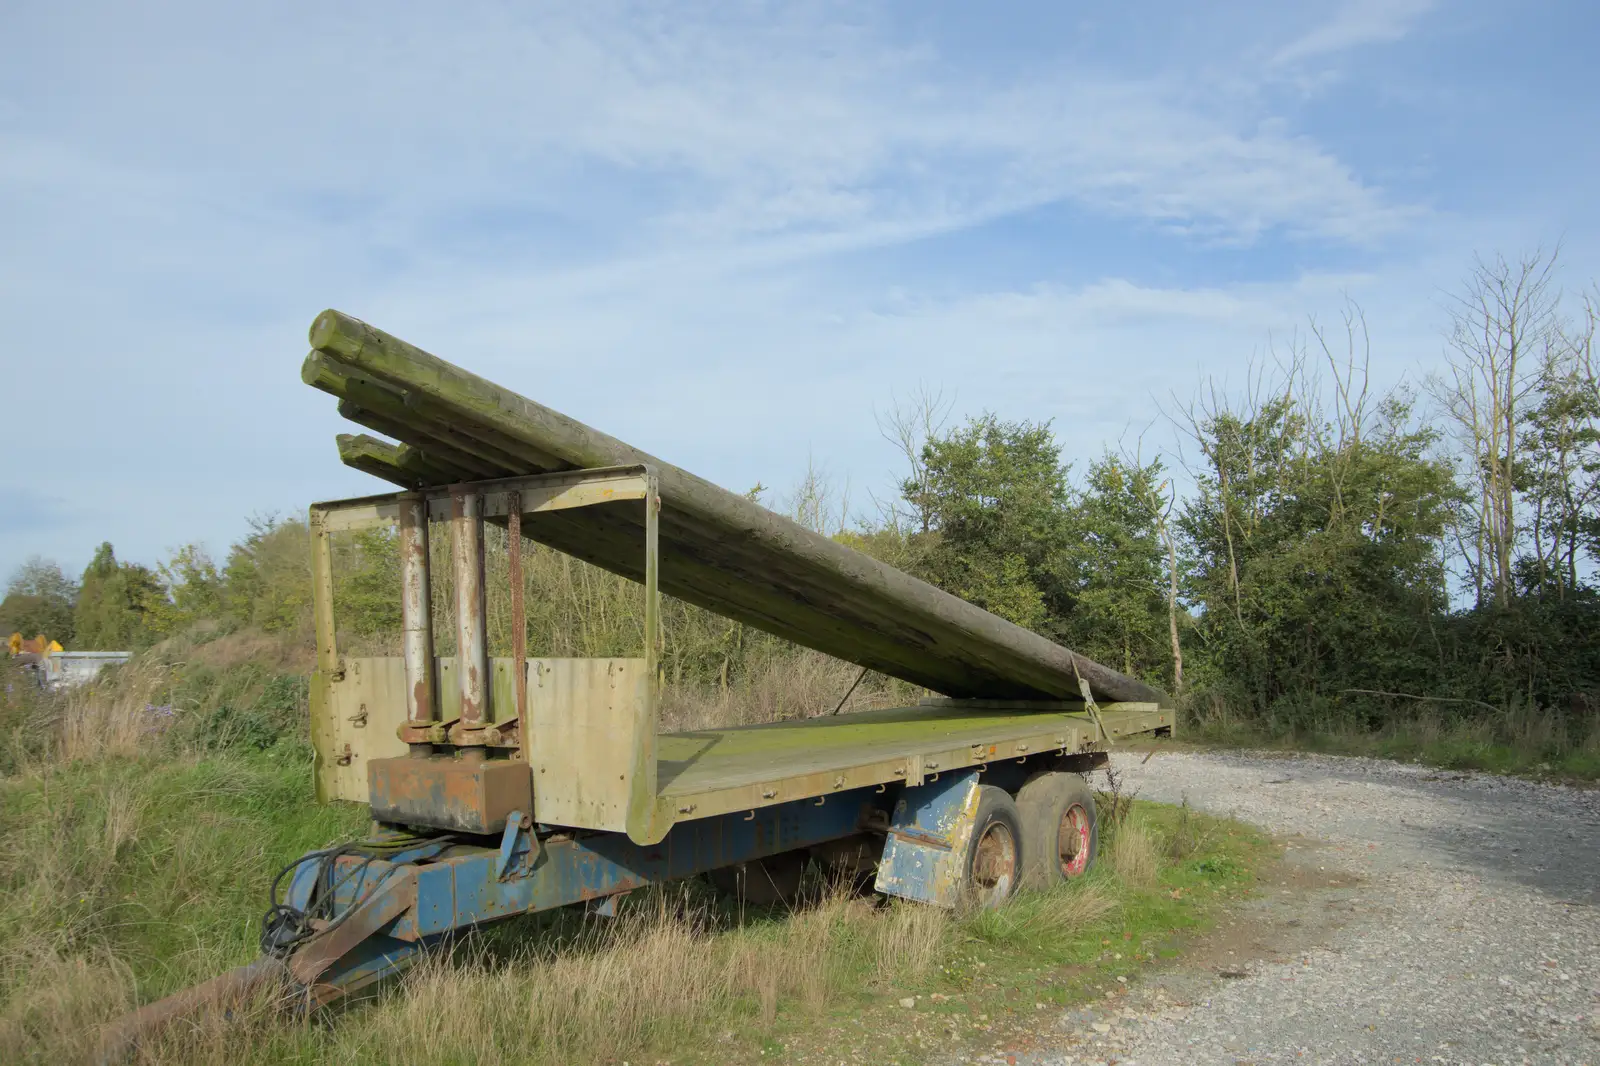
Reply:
x=719, y=550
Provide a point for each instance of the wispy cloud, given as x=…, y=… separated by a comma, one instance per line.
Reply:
x=1356, y=23
x=698, y=128
x=775, y=213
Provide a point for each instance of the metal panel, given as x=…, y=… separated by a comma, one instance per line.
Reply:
x=358, y=717
x=925, y=856
x=585, y=717
x=324, y=740
x=705, y=773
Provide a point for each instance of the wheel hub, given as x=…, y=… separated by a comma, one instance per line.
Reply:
x=1072, y=840
x=994, y=867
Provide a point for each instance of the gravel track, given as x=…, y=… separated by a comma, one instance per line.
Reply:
x=1440, y=918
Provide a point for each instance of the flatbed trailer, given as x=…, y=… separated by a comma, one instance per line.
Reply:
x=518, y=784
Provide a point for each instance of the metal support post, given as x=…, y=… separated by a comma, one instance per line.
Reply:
x=519, y=619
x=472, y=645
x=416, y=615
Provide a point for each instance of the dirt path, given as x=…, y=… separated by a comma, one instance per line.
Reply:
x=1424, y=917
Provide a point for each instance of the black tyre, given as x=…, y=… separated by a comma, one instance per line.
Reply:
x=1059, y=831
x=996, y=855
x=777, y=879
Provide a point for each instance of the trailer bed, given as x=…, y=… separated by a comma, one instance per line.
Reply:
x=708, y=772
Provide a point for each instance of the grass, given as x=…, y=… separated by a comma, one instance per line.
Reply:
x=679, y=977
x=1526, y=741
x=141, y=837
x=126, y=878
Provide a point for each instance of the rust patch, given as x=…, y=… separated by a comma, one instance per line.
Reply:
x=468, y=795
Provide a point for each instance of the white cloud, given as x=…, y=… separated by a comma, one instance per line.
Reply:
x=698, y=128
x=1356, y=23
x=569, y=197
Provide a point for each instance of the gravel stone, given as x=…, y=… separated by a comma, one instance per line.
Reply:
x=1457, y=923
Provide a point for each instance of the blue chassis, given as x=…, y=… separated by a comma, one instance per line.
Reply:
x=399, y=903
x=400, y=894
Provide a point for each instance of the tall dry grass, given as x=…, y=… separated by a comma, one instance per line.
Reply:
x=1133, y=852
x=112, y=717
x=137, y=858
x=796, y=683
x=136, y=846
x=671, y=973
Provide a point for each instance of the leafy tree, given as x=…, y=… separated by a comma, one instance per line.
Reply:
x=1559, y=478
x=997, y=496
x=1118, y=564
x=367, y=587
x=1316, y=550
x=268, y=576
x=194, y=590
x=114, y=602
x=39, y=600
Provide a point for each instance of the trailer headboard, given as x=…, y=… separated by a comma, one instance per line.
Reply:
x=585, y=729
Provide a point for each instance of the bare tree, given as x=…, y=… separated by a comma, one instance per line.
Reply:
x=909, y=424
x=1505, y=315
x=1351, y=372
x=1164, y=502
x=818, y=503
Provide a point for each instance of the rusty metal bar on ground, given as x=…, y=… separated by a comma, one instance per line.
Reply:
x=519, y=621
x=416, y=621
x=472, y=646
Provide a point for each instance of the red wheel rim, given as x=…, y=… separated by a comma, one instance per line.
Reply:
x=994, y=866
x=1072, y=840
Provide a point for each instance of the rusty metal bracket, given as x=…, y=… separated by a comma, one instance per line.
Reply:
x=519, y=848
x=386, y=901
x=426, y=732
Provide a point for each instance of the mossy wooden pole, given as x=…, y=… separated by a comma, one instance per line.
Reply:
x=758, y=566
x=373, y=456
x=429, y=469
x=413, y=419
x=438, y=453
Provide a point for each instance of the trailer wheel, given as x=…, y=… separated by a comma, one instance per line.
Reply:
x=766, y=882
x=1059, y=828
x=995, y=856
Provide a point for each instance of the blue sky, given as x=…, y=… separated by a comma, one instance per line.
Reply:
x=726, y=233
